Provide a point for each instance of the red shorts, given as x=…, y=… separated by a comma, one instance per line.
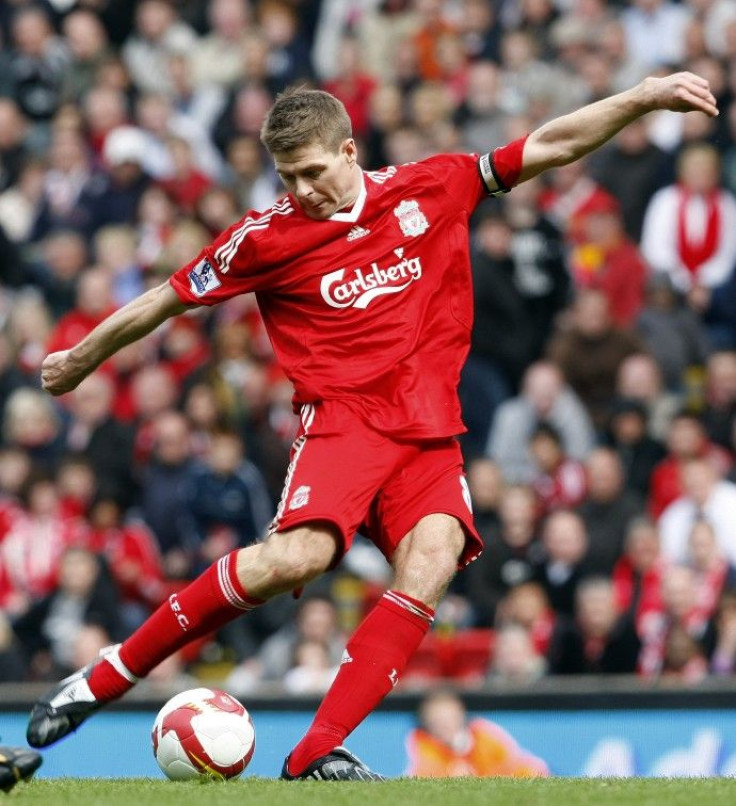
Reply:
x=344, y=472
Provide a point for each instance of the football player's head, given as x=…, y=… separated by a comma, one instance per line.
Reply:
x=309, y=135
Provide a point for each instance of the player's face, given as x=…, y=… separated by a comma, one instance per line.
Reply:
x=321, y=181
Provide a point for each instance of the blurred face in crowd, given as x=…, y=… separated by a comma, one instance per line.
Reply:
x=92, y=399
x=564, y=538
x=12, y=124
x=703, y=548
x=526, y=604
x=628, y=427
x=485, y=482
x=154, y=391
x=698, y=481
x=228, y=18
x=686, y=437
x=517, y=515
x=514, y=655
x=171, y=432
x=79, y=571
x=225, y=453
x=678, y=591
x=596, y=608
x=721, y=379
x=699, y=169
x=444, y=717
x=94, y=292
x=85, y=35
x=31, y=30
x=153, y=18
x=494, y=237
x=542, y=386
x=317, y=620
x=605, y=475
x=546, y=452
x=590, y=313
x=639, y=378
x=642, y=545
x=322, y=182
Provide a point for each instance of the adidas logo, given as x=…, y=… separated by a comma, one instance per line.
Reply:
x=357, y=232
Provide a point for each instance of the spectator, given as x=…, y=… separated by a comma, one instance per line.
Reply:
x=225, y=499
x=637, y=575
x=712, y=570
x=49, y=631
x=485, y=484
x=672, y=332
x=560, y=481
x=607, y=259
x=515, y=660
x=680, y=612
x=89, y=48
x=115, y=250
x=133, y=558
x=316, y=621
x=31, y=424
x=162, y=480
x=719, y=416
x=218, y=57
x=63, y=259
x=591, y=352
x=690, y=227
x=723, y=661
x=38, y=63
x=638, y=453
x=107, y=444
x=606, y=511
x=631, y=168
x=565, y=545
x=544, y=397
x=686, y=440
x=158, y=33
x=705, y=496
x=608, y=643
x=510, y=555
x=312, y=671
x=639, y=378
x=655, y=31
x=448, y=744
x=14, y=142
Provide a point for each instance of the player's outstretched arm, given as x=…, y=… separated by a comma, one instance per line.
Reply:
x=65, y=370
x=567, y=138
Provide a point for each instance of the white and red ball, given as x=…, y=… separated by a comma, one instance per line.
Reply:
x=203, y=733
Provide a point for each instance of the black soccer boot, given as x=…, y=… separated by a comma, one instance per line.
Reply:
x=338, y=765
x=17, y=764
x=63, y=708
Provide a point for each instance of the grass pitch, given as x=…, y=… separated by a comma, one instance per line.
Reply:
x=402, y=792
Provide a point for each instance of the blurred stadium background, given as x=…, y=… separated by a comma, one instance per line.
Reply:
x=600, y=392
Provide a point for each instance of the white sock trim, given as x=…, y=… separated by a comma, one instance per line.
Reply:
x=113, y=658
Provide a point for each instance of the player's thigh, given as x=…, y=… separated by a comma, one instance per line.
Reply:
x=426, y=559
x=288, y=559
x=338, y=466
x=404, y=526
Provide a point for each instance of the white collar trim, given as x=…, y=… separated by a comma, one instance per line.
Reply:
x=354, y=214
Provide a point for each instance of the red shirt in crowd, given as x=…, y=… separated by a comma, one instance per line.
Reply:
x=372, y=306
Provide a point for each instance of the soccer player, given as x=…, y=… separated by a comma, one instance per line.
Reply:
x=363, y=281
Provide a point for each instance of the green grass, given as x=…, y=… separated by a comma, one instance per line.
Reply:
x=445, y=792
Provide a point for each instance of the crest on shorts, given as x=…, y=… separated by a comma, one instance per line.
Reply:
x=412, y=220
x=300, y=498
x=203, y=278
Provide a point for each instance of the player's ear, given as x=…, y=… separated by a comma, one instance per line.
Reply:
x=349, y=150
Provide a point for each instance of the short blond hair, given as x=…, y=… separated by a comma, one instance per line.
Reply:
x=302, y=117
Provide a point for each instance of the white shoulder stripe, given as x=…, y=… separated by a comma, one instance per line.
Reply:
x=225, y=253
x=379, y=177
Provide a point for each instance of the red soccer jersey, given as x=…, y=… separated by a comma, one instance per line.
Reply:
x=372, y=306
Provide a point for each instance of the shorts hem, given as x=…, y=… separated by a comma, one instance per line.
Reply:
x=343, y=543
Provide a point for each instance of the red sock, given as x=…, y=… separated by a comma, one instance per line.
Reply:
x=212, y=600
x=375, y=657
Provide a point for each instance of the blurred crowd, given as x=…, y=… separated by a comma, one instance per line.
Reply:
x=599, y=394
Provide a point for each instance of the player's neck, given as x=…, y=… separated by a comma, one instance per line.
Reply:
x=354, y=190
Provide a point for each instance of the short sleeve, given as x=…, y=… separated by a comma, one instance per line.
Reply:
x=232, y=264
x=459, y=176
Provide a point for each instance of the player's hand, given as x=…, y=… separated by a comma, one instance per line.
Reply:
x=59, y=374
x=680, y=92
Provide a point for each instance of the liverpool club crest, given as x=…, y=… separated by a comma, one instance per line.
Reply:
x=412, y=220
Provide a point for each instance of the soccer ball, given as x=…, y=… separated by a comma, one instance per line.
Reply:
x=203, y=733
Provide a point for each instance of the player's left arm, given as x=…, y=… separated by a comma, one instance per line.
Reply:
x=570, y=137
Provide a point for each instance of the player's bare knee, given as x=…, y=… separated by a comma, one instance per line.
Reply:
x=293, y=558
